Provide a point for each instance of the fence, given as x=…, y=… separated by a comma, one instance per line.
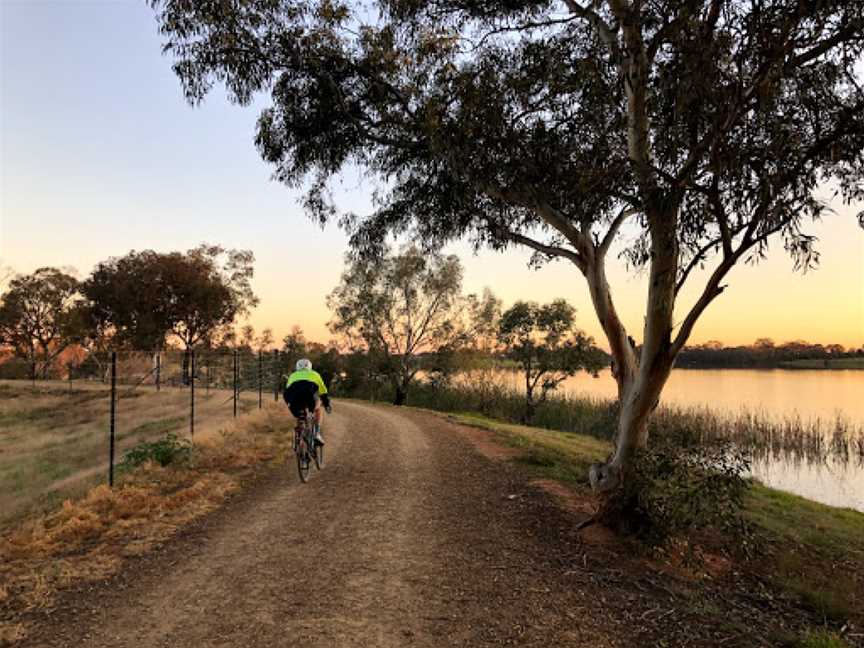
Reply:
x=61, y=434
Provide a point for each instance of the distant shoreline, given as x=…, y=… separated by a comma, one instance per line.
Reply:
x=835, y=364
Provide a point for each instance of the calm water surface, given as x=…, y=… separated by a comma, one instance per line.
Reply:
x=777, y=393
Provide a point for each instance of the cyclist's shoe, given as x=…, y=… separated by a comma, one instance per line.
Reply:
x=319, y=441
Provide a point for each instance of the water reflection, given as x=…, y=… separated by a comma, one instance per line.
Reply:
x=830, y=482
x=777, y=392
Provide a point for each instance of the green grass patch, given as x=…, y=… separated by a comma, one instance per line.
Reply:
x=563, y=456
x=821, y=639
x=834, y=532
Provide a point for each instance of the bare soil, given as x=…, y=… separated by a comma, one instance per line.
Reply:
x=408, y=537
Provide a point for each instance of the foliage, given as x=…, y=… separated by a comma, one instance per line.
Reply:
x=680, y=484
x=37, y=316
x=144, y=296
x=822, y=639
x=700, y=129
x=294, y=345
x=545, y=342
x=165, y=451
x=397, y=308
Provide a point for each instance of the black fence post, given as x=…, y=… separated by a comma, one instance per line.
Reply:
x=235, y=383
x=276, y=380
x=158, y=371
x=260, y=378
x=208, y=375
x=192, y=394
x=112, y=419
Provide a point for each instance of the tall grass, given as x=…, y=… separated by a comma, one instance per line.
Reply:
x=790, y=439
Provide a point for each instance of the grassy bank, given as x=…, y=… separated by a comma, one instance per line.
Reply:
x=88, y=538
x=810, y=553
x=54, y=438
x=791, y=439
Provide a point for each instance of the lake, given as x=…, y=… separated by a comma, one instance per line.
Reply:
x=777, y=393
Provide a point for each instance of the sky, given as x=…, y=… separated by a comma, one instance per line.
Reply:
x=100, y=154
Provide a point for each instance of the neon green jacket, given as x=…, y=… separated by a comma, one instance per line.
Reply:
x=309, y=375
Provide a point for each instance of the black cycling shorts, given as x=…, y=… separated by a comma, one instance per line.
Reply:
x=301, y=403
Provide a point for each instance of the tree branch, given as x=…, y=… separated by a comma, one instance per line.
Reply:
x=604, y=30
x=613, y=230
x=854, y=28
x=548, y=250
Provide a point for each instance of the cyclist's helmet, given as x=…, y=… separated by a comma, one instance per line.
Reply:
x=303, y=364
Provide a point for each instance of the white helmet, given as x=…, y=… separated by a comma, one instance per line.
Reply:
x=303, y=364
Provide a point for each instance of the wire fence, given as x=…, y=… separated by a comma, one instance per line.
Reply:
x=65, y=432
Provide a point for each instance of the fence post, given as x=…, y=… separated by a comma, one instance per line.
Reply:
x=158, y=371
x=260, y=377
x=276, y=378
x=113, y=412
x=235, y=383
x=192, y=394
x=208, y=375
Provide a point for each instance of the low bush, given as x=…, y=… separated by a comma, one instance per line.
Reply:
x=822, y=639
x=682, y=484
x=165, y=451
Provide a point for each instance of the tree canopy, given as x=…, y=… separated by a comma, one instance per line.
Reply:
x=143, y=297
x=37, y=316
x=544, y=340
x=398, y=308
x=701, y=128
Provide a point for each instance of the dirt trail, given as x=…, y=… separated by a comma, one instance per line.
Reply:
x=408, y=537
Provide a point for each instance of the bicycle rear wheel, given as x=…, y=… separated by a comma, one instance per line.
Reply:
x=319, y=457
x=303, y=462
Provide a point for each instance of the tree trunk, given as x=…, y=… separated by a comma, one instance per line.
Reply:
x=631, y=435
x=639, y=383
x=401, y=395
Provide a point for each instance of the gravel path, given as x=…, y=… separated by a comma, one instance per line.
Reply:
x=408, y=537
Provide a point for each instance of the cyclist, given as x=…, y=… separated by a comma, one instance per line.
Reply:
x=302, y=392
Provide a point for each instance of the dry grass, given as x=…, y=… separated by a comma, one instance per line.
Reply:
x=54, y=439
x=88, y=538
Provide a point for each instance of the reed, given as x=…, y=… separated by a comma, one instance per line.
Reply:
x=791, y=439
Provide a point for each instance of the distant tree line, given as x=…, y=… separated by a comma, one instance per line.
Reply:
x=143, y=301
x=763, y=353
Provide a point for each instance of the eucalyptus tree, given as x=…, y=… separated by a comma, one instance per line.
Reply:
x=701, y=129
x=544, y=340
x=143, y=297
x=38, y=317
x=399, y=308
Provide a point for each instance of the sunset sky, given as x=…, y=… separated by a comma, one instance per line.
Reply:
x=100, y=154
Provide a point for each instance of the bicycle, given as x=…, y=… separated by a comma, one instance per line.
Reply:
x=305, y=447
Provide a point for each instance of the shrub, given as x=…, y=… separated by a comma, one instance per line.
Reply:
x=681, y=484
x=165, y=451
x=822, y=639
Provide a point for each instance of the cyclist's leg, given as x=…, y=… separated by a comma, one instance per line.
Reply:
x=319, y=417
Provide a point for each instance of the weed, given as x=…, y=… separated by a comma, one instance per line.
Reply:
x=821, y=639
x=165, y=451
